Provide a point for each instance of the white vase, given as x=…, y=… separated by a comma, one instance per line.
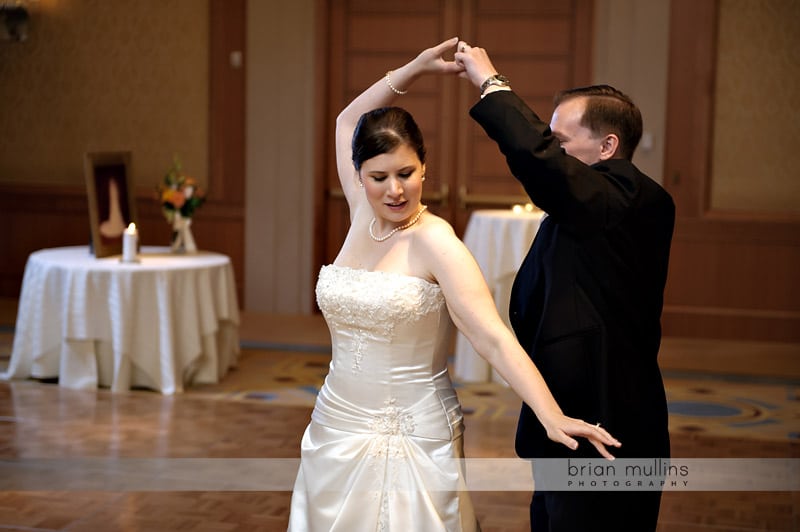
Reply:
x=182, y=238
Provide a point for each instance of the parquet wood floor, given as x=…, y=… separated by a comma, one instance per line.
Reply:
x=42, y=421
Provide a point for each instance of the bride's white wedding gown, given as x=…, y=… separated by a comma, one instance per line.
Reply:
x=381, y=450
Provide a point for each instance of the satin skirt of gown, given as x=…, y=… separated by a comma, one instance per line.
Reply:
x=384, y=447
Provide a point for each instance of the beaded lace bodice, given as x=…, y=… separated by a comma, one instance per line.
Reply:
x=389, y=337
x=375, y=300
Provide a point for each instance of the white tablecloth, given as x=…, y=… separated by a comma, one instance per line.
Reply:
x=499, y=240
x=162, y=323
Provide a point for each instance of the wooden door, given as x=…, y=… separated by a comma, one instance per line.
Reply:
x=734, y=274
x=541, y=46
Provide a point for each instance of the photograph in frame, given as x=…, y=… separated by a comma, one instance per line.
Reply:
x=111, y=200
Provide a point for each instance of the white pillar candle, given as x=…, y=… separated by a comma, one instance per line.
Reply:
x=129, y=241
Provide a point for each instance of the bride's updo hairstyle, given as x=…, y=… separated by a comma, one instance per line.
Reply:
x=381, y=131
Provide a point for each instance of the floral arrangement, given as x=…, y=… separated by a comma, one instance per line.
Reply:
x=179, y=193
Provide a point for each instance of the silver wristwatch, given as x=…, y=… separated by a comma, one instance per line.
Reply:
x=498, y=79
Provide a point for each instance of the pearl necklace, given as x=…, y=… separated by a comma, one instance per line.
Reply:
x=396, y=229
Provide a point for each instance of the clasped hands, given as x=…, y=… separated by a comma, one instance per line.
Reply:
x=469, y=62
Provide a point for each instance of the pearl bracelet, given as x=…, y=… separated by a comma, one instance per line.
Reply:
x=394, y=90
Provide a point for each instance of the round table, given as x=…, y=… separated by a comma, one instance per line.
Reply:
x=499, y=240
x=163, y=322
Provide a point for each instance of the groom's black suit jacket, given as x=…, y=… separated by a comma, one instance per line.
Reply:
x=586, y=303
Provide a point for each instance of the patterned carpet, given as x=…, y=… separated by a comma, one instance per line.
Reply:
x=754, y=408
x=738, y=407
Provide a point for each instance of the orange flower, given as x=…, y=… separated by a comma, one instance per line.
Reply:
x=179, y=193
x=174, y=197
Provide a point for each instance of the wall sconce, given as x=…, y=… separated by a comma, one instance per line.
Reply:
x=13, y=21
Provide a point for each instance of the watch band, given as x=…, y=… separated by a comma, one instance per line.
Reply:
x=498, y=80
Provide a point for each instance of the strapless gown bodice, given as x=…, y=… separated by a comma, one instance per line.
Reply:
x=389, y=336
x=387, y=425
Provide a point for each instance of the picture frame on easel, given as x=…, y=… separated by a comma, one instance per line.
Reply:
x=112, y=205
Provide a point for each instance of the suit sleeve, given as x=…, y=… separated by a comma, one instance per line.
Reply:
x=582, y=199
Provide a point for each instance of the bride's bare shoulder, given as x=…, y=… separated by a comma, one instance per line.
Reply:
x=435, y=224
x=436, y=232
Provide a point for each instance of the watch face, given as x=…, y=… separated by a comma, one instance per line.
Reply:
x=497, y=79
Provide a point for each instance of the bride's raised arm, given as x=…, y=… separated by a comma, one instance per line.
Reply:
x=383, y=93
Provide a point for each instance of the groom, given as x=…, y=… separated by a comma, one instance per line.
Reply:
x=586, y=303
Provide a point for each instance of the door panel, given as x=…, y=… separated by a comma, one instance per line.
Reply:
x=734, y=274
x=543, y=47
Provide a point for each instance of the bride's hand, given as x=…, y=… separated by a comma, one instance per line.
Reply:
x=561, y=428
x=432, y=61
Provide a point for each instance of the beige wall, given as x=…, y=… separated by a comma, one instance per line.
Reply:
x=97, y=75
x=279, y=165
x=630, y=53
x=755, y=158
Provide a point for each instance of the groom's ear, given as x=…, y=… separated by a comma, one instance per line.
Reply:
x=609, y=146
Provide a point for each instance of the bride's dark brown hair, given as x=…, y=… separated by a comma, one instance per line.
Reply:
x=381, y=131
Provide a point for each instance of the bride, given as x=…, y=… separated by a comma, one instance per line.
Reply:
x=382, y=449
